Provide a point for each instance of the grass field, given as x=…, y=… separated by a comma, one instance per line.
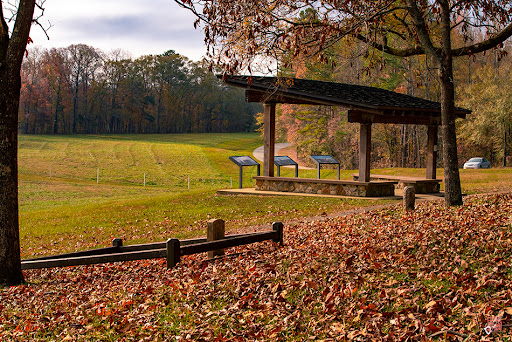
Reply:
x=72, y=211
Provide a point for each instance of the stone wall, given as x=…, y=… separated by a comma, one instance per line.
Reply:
x=325, y=187
x=421, y=186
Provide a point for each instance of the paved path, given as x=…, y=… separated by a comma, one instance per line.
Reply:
x=258, y=153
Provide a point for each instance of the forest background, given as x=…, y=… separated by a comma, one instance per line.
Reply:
x=83, y=90
x=80, y=89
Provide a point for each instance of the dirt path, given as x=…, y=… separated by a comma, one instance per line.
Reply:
x=282, y=149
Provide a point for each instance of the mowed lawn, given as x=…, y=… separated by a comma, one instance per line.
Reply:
x=75, y=209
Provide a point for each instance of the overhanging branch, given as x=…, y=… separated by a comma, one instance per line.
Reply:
x=486, y=44
x=418, y=50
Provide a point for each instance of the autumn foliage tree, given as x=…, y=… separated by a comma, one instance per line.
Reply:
x=241, y=34
x=12, y=48
x=81, y=89
x=489, y=128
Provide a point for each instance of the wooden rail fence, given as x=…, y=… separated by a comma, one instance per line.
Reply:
x=172, y=249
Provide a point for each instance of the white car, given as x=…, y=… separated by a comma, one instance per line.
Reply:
x=477, y=163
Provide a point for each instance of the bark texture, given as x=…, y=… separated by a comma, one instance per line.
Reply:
x=453, y=191
x=11, y=55
x=10, y=263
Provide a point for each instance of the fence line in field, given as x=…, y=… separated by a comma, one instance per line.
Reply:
x=187, y=181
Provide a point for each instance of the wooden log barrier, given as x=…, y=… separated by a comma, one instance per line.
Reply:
x=93, y=259
x=172, y=249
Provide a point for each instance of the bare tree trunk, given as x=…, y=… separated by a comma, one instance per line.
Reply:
x=10, y=262
x=11, y=56
x=453, y=192
x=75, y=105
x=58, y=106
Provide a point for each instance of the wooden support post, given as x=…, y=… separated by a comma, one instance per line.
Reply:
x=278, y=227
x=269, y=135
x=365, y=147
x=117, y=242
x=431, y=152
x=215, y=231
x=409, y=198
x=173, y=252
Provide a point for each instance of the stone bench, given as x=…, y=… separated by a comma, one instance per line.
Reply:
x=326, y=186
x=421, y=185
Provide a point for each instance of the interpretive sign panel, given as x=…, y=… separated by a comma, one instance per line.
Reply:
x=283, y=161
x=324, y=160
x=242, y=161
x=319, y=160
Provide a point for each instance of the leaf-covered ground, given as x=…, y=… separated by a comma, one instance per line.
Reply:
x=433, y=274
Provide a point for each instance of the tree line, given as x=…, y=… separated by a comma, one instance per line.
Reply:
x=81, y=89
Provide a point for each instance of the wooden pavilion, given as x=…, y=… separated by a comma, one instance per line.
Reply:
x=366, y=106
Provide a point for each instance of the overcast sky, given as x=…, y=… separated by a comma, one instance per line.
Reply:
x=141, y=27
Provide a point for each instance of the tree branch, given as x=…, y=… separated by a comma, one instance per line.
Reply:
x=40, y=6
x=4, y=34
x=486, y=44
x=418, y=50
x=421, y=29
x=19, y=37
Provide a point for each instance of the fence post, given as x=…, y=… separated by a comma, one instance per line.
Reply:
x=216, y=231
x=278, y=227
x=117, y=242
x=409, y=198
x=173, y=252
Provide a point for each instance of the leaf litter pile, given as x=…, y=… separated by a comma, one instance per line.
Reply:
x=435, y=273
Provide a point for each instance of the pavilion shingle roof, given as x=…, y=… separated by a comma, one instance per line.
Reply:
x=340, y=94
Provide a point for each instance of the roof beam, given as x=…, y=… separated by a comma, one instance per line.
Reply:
x=387, y=118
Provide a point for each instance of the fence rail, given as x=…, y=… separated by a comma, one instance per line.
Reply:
x=172, y=249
